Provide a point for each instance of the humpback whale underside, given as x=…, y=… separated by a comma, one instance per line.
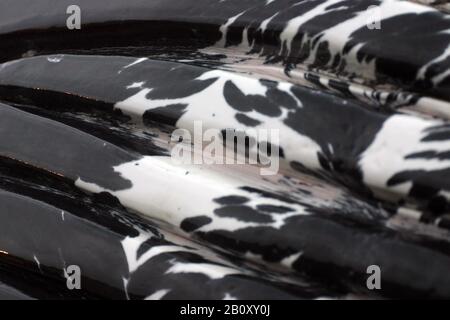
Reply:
x=93, y=93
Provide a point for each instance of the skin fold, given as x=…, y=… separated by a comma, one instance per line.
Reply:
x=87, y=175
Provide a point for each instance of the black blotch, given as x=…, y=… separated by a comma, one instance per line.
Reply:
x=323, y=55
x=184, y=85
x=236, y=98
x=444, y=222
x=244, y=119
x=108, y=199
x=426, y=184
x=341, y=86
x=168, y=115
x=274, y=209
x=314, y=79
x=237, y=140
x=344, y=124
x=430, y=154
x=269, y=148
x=437, y=133
x=192, y=224
x=323, y=161
x=397, y=65
x=229, y=200
x=438, y=205
x=269, y=105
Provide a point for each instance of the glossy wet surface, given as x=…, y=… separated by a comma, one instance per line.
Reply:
x=87, y=178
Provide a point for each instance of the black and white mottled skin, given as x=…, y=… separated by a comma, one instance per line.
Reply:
x=388, y=152
x=364, y=140
x=245, y=220
x=438, y=4
x=120, y=256
x=325, y=34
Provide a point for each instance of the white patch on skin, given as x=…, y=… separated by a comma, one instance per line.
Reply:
x=296, y=146
x=265, y=23
x=125, y=287
x=286, y=87
x=199, y=248
x=440, y=77
x=224, y=28
x=293, y=25
x=218, y=268
x=255, y=67
x=173, y=196
x=409, y=213
x=288, y=261
x=399, y=137
x=158, y=295
x=330, y=147
x=427, y=106
x=252, y=256
x=133, y=63
x=55, y=59
x=9, y=63
x=131, y=247
x=136, y=85
x=245, y=44
x=227, y=295
x=445, y=194
x=37, y=262
x=336, y=36
x=213, y=272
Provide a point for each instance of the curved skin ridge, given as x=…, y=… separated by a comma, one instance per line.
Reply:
x=357, y=92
